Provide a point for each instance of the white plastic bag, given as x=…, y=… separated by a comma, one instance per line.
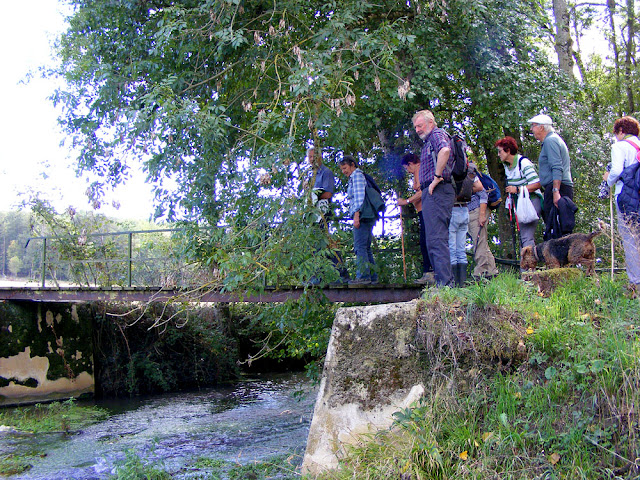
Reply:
x=525, y=211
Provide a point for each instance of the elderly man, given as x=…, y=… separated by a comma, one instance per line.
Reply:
x=553, y=164
x=438, y=194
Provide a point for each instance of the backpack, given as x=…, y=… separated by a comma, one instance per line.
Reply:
x=629, y=197
x=464, y=187
x=373, y=202
x=460, y=161
x=492, y=189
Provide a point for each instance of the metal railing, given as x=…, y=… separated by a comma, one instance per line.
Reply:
x=82, y=240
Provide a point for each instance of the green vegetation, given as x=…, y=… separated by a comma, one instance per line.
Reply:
x=133, y=468
x=277, y=467
x=565, y=409
x=282, y=467
x=65, y=416
x=13, y=465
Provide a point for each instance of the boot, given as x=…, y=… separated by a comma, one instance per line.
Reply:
x=462, y=274
x=456, y=275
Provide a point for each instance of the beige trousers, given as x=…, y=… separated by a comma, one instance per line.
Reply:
x=485, y=263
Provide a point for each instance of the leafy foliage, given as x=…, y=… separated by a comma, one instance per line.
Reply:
x=218, y=99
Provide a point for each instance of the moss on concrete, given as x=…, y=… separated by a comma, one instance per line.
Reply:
x=60, y=332
x=373, y=357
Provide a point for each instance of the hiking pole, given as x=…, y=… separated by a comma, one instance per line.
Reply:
x=611, y=218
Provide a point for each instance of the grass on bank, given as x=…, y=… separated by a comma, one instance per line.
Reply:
x=63, y=417
x=568, y=409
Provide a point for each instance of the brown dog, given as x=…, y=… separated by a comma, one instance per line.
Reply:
x=574, y=249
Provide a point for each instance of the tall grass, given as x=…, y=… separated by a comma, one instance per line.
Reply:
x=569, y=410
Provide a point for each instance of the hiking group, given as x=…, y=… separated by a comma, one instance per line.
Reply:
x=454, y=198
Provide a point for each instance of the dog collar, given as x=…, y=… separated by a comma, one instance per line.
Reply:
x=535, y=253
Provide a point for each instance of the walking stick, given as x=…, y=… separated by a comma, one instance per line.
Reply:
x=611, y=218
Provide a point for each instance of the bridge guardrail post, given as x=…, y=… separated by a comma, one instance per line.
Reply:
x=44, y=261
x=130, y=259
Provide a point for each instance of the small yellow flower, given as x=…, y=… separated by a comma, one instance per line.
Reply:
x=464, y=455
x=486, y=436
x=529, y=330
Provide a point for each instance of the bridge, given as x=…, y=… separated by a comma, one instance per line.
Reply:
x=111, y=277
x=362, y=294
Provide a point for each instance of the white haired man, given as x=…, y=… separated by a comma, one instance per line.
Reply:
x=438, y=194
x=554, y=165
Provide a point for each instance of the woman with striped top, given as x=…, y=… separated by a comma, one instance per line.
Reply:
x=521, y=173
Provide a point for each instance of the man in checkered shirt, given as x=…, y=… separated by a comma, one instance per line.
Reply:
x=438, y=193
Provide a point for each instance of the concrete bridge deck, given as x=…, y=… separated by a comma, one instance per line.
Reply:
x=362, y=294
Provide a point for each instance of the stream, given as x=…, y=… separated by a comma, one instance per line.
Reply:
x=252, y=420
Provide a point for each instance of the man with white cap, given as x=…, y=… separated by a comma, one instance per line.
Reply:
x=553, y=164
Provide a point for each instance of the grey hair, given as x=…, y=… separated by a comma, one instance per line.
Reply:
x=548, y=128
x=426, y=114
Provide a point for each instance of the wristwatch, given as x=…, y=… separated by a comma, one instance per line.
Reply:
x=554, y=190
x=437, y=176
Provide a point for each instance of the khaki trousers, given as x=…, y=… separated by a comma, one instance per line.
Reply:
x=485, y=263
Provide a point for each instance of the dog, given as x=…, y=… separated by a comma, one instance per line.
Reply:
x=574, y=249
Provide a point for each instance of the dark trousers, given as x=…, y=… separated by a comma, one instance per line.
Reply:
x=362, y=238
x=565, y=191
x=436, y=212
x=426, y=264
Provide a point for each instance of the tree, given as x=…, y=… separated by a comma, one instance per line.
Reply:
x=218, y=100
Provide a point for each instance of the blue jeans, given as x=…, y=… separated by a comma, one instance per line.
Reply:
x=458, y=228
x=362, y=238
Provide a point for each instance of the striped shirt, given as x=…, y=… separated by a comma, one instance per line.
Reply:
x=518, y=178
x=356, y=191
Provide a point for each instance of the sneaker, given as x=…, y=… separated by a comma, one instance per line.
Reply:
x=428, y=277
x=360, y=281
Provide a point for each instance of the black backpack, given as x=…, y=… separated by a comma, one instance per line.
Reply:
x=460, y=161
x=464, y=187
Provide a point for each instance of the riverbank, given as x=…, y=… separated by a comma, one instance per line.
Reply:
x=561, y=403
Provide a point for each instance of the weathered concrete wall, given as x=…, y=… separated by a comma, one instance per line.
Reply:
x=45, y=351
x=371, y=371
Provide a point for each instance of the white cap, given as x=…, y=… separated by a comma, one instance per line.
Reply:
x=541, y=120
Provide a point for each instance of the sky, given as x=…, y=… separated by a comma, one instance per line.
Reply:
x=31, y=157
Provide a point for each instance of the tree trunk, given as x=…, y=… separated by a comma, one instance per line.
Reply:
x=629, y=59
x=563, y=43
x=611, y=8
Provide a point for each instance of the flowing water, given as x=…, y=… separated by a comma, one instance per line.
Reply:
x=252, y=420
